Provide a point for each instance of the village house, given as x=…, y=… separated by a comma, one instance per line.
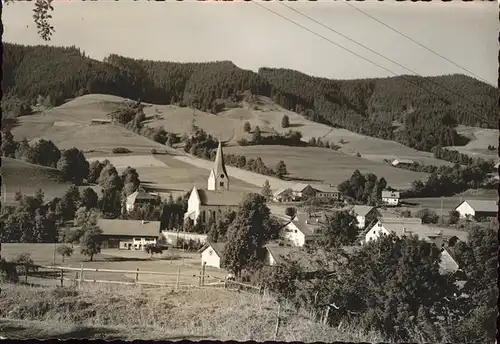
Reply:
x=390, y=198
x=212, y=203
x=211, y=254
x=448, y=263
x=402, y=162
x=405, y=227
x=141, y=197
x=365, y=215
x=300, y=190
x=301, y=230
x=478, y=209
x=128, y=234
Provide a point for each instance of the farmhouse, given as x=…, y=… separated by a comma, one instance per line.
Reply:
x=390, y=198
x=211, y=254
x=300, y=190
x=405, y=228
x=301, y=230
x=365, y=215
x=204, y=205
x=402, y=162
x=448, y=264
x=478, y=209
x=140, y=197
x=128, y=234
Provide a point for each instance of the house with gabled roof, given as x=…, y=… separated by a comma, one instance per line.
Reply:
x=404, y=228
x=140, y=197
x=365, y=214
x=478, y=209
x=390, y=198
x=213, y=202
x=211, y=254
x=128, y=234
x=301, y=230
x=402, y=162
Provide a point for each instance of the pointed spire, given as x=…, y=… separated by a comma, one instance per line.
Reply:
x=219, y=165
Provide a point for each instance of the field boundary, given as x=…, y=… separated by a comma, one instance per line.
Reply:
x=32, y=271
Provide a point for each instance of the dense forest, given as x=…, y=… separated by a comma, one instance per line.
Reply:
x=398, y=108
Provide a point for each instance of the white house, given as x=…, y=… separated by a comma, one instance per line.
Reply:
x=128, y=234
x=364, y=214
x=390, y=198
x=211, y=254
x=448, y=264
x=404, y=228
x=140, y=197
x=401, y=162
x=477, y=209
x=217, y=199
x=282, y=195
x=301, y=230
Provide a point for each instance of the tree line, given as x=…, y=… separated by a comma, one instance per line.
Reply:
x=456, y=157
x=368, y=106
x=366, y=189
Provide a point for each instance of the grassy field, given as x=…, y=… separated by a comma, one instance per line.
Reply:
x=449, y=203
x=165, y=174
x=20, y=175
x=128, y=313
x=169, y=262
x=480, y=139
x=324, y=165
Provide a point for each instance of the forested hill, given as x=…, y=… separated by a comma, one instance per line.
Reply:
x=367, y=106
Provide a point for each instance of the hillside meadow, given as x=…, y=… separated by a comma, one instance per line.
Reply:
x=18, y=175
x=131, y=313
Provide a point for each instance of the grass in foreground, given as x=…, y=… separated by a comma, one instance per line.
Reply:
x=110, y=312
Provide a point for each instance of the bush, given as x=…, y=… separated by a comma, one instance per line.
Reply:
x=153, y=151
x=8, y=272
x=247, y=127
x=121, y=150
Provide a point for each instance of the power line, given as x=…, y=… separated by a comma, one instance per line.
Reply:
x=381, y=55
x=358, y=55
x=415, y=41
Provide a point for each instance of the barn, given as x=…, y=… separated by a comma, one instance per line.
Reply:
x=128, y=234
x=211, y=254
x=478, y=209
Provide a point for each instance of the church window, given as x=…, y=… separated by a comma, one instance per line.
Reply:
x=222, y=176
x=203, y=216
x=221, y=184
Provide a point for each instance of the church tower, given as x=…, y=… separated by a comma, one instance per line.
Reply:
x=218, y=179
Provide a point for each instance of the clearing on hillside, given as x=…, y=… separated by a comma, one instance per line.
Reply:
x=267, y=115
x=18, y=175
x=316, y=165
x=480, y=140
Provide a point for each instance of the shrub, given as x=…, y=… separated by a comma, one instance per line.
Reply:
x=153, y=151
x=121, y=150
x=247, y=127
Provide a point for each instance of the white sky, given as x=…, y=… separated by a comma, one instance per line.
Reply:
x=251, y=37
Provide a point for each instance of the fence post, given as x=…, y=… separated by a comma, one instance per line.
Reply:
x=81, y=275
x=277, y=322
x=62, y=278
x=137, y=276
x=76, y=278
x=26, y=272
x=203, y=274
x=178, y=278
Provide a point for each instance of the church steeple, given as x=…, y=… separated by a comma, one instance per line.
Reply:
x=218, y=179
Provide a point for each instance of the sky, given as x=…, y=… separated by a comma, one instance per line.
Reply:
x=251, y=37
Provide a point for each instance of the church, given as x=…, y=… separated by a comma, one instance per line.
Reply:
x=217, y=199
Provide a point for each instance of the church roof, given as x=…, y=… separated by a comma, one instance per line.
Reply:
x=219, y=165
x=222, y=197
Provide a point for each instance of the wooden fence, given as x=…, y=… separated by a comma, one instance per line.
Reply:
x=65, y=276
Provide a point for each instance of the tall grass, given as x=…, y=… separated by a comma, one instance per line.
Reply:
x=147, y=313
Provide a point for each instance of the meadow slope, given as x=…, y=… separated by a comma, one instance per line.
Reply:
x=69, y=126
x=128, y=313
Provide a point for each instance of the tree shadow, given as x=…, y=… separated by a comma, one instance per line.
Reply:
x=125, y=259
x=290, y=179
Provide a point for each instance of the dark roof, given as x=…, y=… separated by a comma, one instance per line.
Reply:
x=219, y=165
x=362, y=210
x=129, y=228
x=220, y=197
x=218, y=247
x=304, y=259
x=141, y=195
x=390, y=194
x=485, y=206
x=324, y=188
x=305, y=224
